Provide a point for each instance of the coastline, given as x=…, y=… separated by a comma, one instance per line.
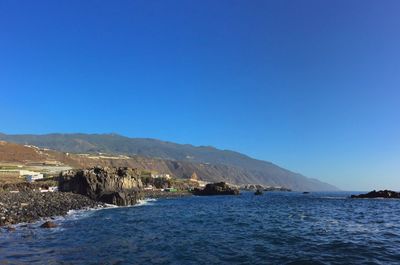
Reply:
x=31, y=206
x=157, y=194
x=26, y=207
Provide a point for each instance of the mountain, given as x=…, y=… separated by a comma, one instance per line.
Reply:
x=181, y=160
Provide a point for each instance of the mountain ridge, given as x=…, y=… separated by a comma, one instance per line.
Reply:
x=223, y=163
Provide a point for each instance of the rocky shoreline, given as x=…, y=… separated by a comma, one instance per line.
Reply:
x=120, y=186
x=158, y=194
x=31, y=206
x=87, y=189
x=219, y=188
x=387, y=194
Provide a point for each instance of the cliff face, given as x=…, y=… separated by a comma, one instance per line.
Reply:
x=119, y=186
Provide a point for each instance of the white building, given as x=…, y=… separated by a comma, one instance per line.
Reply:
x=50, y=189
x=156, y=176
x=33, y=176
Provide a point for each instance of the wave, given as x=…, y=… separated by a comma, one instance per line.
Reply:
x=74, y=215
x=145, y=202
x=83, y=213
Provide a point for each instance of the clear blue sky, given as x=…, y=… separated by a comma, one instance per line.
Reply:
x=313, y=86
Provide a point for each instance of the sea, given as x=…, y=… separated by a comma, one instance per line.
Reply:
x=273, y=228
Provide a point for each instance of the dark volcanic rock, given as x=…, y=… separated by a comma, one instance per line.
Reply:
x=220, y=188
x=119, y=198
x=11, y=228
x=119, y=186
x=48, y=224
x=31, y=206
x=25, y=186
x=378, y=194
x=258, y=192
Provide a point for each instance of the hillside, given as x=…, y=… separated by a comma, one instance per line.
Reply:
x=209, y=163
x=10, y=152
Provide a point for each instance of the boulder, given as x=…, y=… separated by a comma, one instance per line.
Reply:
x=11, y=228
x=120, y=186
x=220, y=188
x=48, y=224
x=258, y=192
x=378, y=194
x=119, y=198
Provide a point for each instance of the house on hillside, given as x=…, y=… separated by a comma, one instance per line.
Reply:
x=194, y=177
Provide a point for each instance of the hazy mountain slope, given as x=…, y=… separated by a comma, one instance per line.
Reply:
x=181, y=160
x=117, y=144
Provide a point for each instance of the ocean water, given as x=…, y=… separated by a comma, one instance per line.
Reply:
x=275, y=228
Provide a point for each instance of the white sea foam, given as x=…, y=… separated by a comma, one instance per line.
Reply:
x=145, y=202
x=79, y=214
x=110, y=205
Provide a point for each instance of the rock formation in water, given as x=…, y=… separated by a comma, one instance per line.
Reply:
x=120, y=186
x=378, y=194
x=258, y=192
x=220, y=188
x=49, y=224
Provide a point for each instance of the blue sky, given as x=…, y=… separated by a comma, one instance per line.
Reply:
x=313, y=86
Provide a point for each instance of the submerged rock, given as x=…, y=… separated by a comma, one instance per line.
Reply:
x=378, y=194
x=258, y=192
x=11, y=228
x=48, y=224
x=120, y=186
x=220, y=188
